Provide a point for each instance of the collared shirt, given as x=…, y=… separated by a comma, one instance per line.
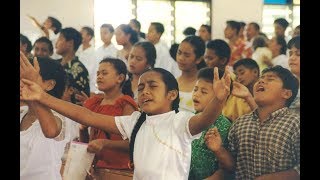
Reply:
x=162, y=148
x=265, y=147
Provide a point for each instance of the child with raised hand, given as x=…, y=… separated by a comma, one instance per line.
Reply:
x=189, y=59
x=42, y=131
x=117, y=101
x=204, y=162
x=160, y=136
x=271, y=133
x=141, y=58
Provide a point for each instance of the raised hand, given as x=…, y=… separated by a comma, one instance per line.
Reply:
x=213, y=139
x=221, y=87
x=30, y=91
x=81, y=98
x=240, y=90
x=27, y=71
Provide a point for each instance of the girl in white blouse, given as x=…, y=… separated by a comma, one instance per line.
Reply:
x=43, y=133
x=160, y=136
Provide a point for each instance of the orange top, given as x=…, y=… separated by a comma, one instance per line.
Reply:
x=110, y=159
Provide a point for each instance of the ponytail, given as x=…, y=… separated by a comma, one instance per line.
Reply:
x=135, y=130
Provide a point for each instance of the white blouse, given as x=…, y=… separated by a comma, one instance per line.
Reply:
x=163, y=144
x=186, y=102
x=40, y=157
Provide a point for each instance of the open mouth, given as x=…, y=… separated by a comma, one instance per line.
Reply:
x=260, y=89
x=195, y=101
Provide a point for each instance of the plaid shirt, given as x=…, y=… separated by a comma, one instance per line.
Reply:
x=267, y=147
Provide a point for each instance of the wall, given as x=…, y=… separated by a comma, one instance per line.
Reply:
x=239, y=10
x=71, y=13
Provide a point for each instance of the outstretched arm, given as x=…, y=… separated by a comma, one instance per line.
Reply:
x=97, y=145
x=46, y=32
x=32, y=92
x=221, y=88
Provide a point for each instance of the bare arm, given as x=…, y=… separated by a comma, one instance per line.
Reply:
x=221, y=88
x=283, y=175
x=50, y=125
x=97, y=145
x=217, y=175
x=39, y=25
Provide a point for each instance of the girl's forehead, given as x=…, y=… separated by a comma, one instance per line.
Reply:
x=150, y=76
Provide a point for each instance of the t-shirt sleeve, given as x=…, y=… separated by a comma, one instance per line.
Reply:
x=182, y=120
x=125, y=124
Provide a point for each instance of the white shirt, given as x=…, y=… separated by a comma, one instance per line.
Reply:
x=165, y=61
x=281, y=60
x=88, y=58
x=102, y=52
x=163, y=145
x=40, y=157
x=186, y=102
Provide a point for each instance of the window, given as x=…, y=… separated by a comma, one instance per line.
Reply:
x=114, y=13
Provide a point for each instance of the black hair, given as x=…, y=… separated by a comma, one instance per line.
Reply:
x=158, y=26
x=25, y=40
x=128, y=30
x=208, y=27
x=248, y=63
x=149, y=50
x=171, y=84
x=199, y=48
x=208, y=75
x=282, y=42
x=282, y=22
x=45, y=40
x=289, y=81
x=242, y=24
x=136, y=23
x=263, y=34
x=121, y=68
x=173, y=50
x=189, y=31
x=70, y=33
x=70, y=83
x=255, y=25
x=56, y=24
x=259, y=41
x=234, y=25
x=294, y=42
x=53, y=70
x=89, y=30
x=108, y=26
x=221, y=48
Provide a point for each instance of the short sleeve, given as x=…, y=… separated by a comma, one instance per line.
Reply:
x=125, y=124
x=63, y=132
x=182, y=120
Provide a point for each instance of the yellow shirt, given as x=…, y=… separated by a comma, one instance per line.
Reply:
x=235, y=107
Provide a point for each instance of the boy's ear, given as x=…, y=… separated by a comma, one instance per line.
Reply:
x=223, y=61
x=172, y=95
x=286, y=94
x=255, y=72
x=198, y=60
x=121, y=78
x=50, y=84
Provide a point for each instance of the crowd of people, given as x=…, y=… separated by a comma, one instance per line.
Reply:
x=204, y=108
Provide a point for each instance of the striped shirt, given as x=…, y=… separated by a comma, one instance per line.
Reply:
x=265, y=147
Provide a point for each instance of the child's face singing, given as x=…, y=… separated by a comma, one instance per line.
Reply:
x=202, y=94
x=269, y=90
x=107, y=77
x=294, y=60
x=153, y=97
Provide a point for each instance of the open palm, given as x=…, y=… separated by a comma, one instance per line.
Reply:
x=30, y=91
x=240, y=90
x=221, y=87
